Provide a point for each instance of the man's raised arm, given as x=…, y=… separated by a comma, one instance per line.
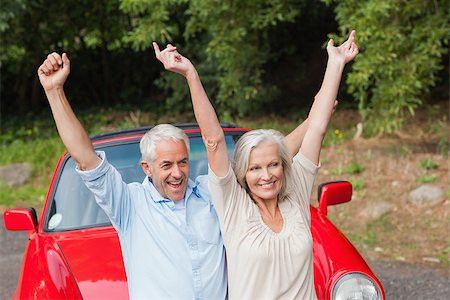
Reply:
x=52, y=74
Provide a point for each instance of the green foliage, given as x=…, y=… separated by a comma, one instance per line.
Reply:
x=254, y=57
x=351, y=168
x=91, y=32
x=428, y=164
x=10, y=9
x=230, y=46
x=36, y=147
x=402, y=44
x=42, y=153
x=28, y=193
x=427, y=178
x=333, y=137
x=354, y=168
x=357, y=184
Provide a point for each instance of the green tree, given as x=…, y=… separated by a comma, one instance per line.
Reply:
x=402, y=45
x=231, y=44
x=90, y=32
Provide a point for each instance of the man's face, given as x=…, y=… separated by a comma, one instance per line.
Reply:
x=170, y=169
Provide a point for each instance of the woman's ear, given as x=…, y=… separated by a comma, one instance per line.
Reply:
x=146, y=168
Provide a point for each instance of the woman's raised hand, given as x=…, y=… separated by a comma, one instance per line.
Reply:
x=345, y=52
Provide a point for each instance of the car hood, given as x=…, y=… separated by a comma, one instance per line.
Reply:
x=95, y=260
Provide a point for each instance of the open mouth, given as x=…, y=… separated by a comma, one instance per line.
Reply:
x=175, y=184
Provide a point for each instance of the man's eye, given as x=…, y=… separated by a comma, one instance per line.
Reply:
x=165, y=166
x=183, y=163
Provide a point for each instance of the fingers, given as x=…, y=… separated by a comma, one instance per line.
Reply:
x=351, y=39
x=167, y=54
x=51, y=64
x=354, y=48
x=157, y=50
x=65, y=61
x=331, y=42
x=352, y=35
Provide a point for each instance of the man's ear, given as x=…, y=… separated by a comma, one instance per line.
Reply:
x=146, y=168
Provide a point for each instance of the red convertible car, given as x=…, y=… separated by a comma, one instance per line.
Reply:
x=66, y=259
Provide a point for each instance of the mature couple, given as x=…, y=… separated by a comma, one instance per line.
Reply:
x=173, y=231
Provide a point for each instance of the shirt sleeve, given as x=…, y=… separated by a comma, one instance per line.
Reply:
x=231, y=201
x=304, y=173
x=110, y=191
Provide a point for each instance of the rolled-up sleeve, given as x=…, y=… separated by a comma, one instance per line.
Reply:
x=110, y=191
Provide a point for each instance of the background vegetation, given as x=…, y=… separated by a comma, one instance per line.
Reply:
x=262, y=58
x=254, y=56
x=261, y=62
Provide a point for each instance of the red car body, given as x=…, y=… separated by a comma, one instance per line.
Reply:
x=86, y=262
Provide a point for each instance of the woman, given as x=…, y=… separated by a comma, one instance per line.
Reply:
x=262, y=200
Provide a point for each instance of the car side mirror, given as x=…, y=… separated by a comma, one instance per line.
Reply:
x=332, y=193
x=20, y=219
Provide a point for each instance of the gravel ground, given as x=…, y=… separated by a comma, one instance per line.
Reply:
x=12, y=247
x=407, y=281
x=400, y=280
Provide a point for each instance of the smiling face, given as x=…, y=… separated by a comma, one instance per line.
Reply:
x=264, y=175
x=170, y=169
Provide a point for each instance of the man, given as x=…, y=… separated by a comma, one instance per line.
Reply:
x=167, y=226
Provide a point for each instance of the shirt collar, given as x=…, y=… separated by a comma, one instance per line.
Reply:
x=157, y=198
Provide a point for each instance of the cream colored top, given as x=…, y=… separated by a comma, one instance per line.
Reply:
x=263, y=264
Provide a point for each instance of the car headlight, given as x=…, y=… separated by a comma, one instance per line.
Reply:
x=356, y=286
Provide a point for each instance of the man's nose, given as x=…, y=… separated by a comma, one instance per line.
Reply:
x=176, y=171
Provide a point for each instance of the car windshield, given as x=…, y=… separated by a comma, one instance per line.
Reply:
x=73, y=206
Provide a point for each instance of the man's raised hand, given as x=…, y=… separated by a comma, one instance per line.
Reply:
x=54, y=71
x=172, y=60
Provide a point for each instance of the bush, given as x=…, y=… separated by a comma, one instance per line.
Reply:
x=402, y=46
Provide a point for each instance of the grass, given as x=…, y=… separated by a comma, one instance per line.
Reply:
x=29, y=193
x=427, y=178
x=428, y=164
x=42, y=155
x=357, y=184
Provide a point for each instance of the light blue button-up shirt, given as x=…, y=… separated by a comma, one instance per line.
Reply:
x=170, y=251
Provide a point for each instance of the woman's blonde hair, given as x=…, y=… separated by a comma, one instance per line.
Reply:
x=252, y=139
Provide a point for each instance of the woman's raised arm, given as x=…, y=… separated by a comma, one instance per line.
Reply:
x=324, y=102
x=205, y=114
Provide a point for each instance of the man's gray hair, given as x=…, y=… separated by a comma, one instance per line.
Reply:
x=252, y=139
x=162, y=132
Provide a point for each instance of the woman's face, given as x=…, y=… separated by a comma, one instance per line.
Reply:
x=264, y=175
